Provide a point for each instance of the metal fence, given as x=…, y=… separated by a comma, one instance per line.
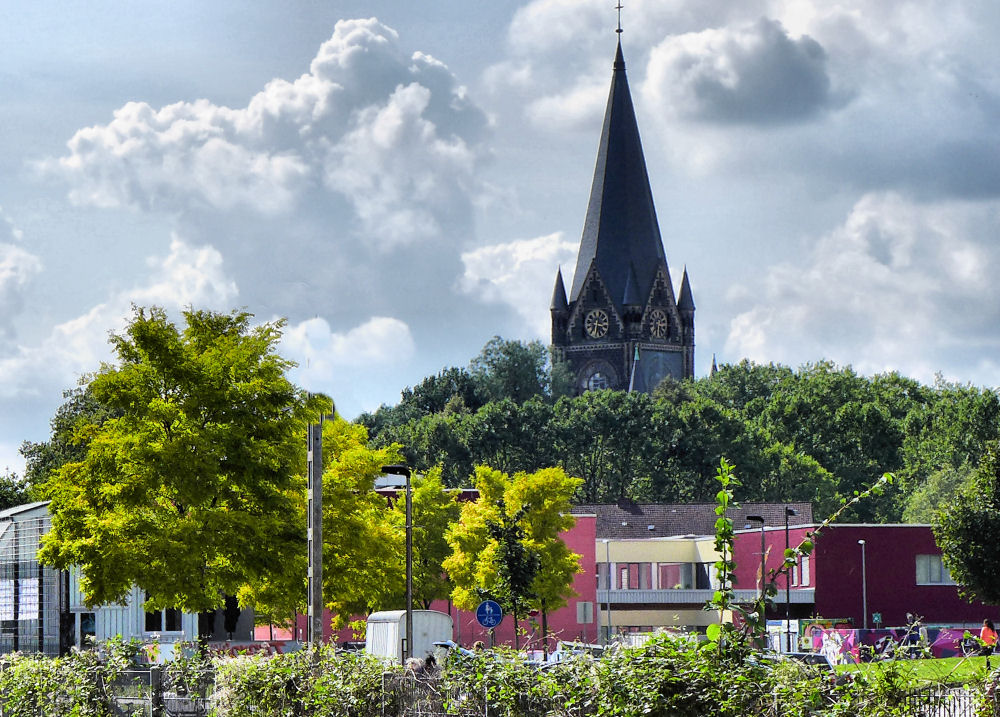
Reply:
x=950, y=702
x=423, y=695
x=143, y=693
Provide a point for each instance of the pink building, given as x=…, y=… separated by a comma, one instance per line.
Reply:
x=902, y=574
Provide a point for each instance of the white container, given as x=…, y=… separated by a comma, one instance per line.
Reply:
x=386, y=633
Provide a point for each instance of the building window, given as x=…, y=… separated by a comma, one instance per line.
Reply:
x=800, y=573
x=88, y=628
x=931, y=571
x=602, y=577
x=675, y=576
x=168, y=620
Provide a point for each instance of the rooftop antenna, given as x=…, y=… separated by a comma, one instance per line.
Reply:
x=618, y=7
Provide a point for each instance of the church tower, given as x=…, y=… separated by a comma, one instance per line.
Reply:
x=621, y=326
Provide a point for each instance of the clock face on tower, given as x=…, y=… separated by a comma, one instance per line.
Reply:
x=596, y=323
x=659, y=325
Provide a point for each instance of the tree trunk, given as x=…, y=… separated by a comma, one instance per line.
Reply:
x=545, y=632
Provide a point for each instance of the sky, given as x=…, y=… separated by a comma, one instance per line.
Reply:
x=401, y=180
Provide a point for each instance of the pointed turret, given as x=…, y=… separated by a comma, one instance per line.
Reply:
x=559, y=302
x=685, y=302
x=621, y=230
x=559, y=310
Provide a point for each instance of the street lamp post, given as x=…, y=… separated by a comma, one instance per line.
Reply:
x=607, y=562
x=761, y=605
x=789, y=512
x=760, y=519
x=401, y=470
x=864, y=586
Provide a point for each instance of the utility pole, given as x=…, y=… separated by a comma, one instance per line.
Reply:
x=314, y=510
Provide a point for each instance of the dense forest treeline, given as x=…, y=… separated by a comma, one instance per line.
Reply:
x=816, y=433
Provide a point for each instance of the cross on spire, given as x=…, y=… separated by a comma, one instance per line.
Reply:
x=618, y=7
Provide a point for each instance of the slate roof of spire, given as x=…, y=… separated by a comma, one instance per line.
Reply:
x=621, y=230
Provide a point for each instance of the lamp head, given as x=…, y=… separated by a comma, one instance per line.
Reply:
x=396, y=469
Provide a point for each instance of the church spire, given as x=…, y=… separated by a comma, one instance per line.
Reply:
x=621, y=302
x=620, y=230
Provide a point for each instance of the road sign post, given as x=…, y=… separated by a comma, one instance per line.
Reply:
x=489, y=614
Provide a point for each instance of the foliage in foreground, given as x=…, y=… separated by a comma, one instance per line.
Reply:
x=669, y=675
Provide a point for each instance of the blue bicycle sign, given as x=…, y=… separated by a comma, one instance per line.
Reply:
x=489, y=614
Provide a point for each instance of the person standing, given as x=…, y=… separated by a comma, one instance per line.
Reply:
x=988, y=637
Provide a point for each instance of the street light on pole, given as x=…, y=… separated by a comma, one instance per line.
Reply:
x=864, y=586
x=401, y=470
x=789, y=512
x=760, y=519
x=607, y=562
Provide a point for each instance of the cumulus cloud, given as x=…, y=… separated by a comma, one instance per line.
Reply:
x=519, y=274
x=899, y=286
x=322, y=354
x=187, y=276
x=752, y=74
x=393, y=135
x=17, y=268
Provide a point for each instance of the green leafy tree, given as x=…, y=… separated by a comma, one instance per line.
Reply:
x=510, y=436
x=506, y=544
x=950, y=430
x=451, y=390
x=79, y=409
x=435, y=440
x=13, y=490
x=605, y=438
x=512, y=369
x=186, y=487
x=545, y=495
x=435, y=510
x=936, y=493
x=966, y=531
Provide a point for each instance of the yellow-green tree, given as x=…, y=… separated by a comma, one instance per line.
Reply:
x=188, y=488
x=507, y=545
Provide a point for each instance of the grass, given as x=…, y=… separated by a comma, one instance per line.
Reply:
x=952, y=670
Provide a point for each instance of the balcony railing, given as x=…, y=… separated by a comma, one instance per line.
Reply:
x=692, y=596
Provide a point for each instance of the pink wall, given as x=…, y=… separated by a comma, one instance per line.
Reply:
x=747, y=555
x=562, y=624
x=890, y=557
x=890, y=560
